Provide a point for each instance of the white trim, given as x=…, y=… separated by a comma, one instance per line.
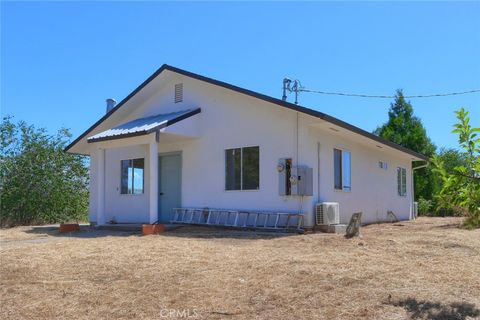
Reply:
x=101, y=186
x=153, y=180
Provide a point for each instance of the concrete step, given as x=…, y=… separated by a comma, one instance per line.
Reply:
x=332, y=228
x=133, y=227
x=120, y=227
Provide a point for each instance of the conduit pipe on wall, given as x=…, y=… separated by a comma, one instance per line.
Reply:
x=413, y=185
x=296, y=160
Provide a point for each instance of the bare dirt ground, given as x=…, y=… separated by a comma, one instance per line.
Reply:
x=424, y=269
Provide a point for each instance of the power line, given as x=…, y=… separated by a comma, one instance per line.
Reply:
x=388, y=97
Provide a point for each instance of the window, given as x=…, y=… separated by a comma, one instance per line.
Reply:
x=132, y=176
x=242, y=168
x=402, y=181
x=383, y=165
x=341, y=169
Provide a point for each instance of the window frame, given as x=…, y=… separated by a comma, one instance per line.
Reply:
x=241, y=169
x=343, y=187
x=131, y=171
x=401, y=181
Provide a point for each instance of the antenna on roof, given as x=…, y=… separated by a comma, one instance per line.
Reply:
x=287, y=86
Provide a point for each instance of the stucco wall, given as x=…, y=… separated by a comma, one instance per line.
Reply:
x=124, y=207
x=373, y=190
x=230, y=120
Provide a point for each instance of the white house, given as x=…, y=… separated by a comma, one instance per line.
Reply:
x=185, y=140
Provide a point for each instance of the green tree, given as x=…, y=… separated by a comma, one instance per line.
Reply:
x=407, y=130
x=39, y=183
x=452, y=158
x=461, y=185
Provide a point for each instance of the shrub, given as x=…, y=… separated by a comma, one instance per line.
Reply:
x=39, y=183
x=424, y=206
x=461, y=185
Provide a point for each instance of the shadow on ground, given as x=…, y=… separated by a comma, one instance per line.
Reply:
x=436, y=310
x=211, y=232
x=85, y=232
x=176, y=231
x=450, y=226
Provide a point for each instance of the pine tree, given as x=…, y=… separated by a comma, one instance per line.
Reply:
x=407, y=130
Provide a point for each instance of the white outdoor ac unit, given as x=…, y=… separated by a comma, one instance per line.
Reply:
x=327, y=213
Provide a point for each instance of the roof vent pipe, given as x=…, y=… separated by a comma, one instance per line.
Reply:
x=110, y=104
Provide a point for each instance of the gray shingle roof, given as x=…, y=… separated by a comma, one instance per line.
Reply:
x=143, y=126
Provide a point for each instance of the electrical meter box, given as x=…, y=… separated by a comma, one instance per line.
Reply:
x=294, y=180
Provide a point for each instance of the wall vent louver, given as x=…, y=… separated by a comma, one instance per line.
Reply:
x=178, y=92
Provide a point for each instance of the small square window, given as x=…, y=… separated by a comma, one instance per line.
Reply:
x=383, y=165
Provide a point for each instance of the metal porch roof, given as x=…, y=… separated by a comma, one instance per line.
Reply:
x=143, y=126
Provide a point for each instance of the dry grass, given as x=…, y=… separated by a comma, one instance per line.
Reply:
x=19, y=233
x=428, y=269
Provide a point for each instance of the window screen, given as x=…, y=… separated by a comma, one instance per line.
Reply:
x=250, y=168
x=401, y=181
x=346, y=170
x=233, y=158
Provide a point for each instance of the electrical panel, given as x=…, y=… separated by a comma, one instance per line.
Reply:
x=294, y=180
x=284, y=169
x=304, y=183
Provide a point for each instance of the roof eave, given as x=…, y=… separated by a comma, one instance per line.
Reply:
x=298, y=108
x=118, y=106
x=254, y=94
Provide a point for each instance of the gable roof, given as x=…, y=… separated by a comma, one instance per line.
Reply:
x=143, y=126
x=256, y=95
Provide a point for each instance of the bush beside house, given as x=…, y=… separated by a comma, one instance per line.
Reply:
x=39, y=183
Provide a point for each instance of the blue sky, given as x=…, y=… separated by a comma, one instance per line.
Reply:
x=61, y=60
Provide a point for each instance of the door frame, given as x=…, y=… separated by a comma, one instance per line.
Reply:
x=162, y=154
